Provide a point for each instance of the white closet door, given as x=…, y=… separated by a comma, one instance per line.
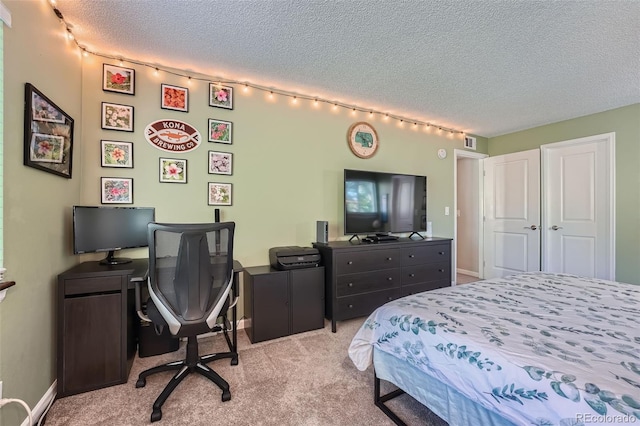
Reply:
x=512, y=213
x=578, y=205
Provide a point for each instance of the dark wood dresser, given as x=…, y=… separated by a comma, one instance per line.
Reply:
x=359, y=277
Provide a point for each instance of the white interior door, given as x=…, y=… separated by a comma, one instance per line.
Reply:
x=578, y=226
x=512, y=213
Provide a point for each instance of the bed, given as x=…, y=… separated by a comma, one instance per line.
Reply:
x=530, y=349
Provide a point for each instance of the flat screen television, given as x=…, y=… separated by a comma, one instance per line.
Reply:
x=108, y=229
x=383, y=203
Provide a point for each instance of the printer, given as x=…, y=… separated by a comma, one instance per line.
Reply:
x=294, y=257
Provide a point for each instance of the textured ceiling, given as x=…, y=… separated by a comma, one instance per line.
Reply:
x=484, y=67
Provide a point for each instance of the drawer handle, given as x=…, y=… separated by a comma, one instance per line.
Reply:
x=349, y=263
x=390, y=279
x=412, y=275
x=350, y=306
x=412, y=256
x=440, y=252
x=440, y=270
x=388, y=258
x=389, y=298
x=350, y=284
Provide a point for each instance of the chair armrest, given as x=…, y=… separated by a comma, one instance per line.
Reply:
x=138, y=282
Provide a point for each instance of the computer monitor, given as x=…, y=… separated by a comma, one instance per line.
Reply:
x=108, y=229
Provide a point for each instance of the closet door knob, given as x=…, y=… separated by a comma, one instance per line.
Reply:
x=555, y=228
x=532, y=227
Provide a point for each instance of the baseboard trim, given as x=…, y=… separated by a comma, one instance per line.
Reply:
x=465, y=272
x=42, y=405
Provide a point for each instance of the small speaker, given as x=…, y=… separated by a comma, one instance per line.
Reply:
x=322, y=231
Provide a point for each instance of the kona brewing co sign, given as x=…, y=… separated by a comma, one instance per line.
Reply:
x=172, y=135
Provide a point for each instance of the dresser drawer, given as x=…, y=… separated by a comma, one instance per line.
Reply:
x=428, y=272
x=426, y=254
x=367, y=281
x=357, y=306
x=364, y=261
x=420, y=287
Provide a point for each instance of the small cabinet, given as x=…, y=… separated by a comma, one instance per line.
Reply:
x=280, y=303
x=96, y=336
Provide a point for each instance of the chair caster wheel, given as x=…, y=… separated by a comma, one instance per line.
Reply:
x=141, y=382
x=226, y=396
x=234, y=361
x=156, y=415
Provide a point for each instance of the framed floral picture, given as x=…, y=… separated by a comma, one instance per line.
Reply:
x=220, y=163
x=220, y=131
x=116, y=190
x=173, y=170
x=175, y=98
x=117, y=117
x=48, y=134
x=220, y=194
x=116, y=154
x=220, y=96
x=118, y=79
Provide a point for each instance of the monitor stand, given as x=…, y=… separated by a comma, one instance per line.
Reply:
x=112, y=260
x=354, y=236
x=416, y=233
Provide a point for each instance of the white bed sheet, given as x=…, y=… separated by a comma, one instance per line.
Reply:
x=539, y=349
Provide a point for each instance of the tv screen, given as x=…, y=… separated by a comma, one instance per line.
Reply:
x=376, y=202
x=98, y=229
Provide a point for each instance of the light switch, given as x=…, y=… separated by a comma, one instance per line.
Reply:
x=446, y=211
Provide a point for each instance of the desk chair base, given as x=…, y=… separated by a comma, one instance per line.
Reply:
x=192, y=364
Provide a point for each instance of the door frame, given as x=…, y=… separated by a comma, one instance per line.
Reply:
x=459, y=153
x=545, y=152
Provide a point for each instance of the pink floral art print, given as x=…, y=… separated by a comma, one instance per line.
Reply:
x=116, y=190
x=118, y=79
x=219, y=194
x=46, y=148
x=220, y=96
x=116, y=154
x=220, y=163
x=117, y=117
x=220, y=131
x=174, y=97
x=173, y=170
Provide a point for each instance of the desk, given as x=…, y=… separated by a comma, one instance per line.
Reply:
x=96, y=324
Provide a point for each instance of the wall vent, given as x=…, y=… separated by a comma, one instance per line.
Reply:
x=470, y=142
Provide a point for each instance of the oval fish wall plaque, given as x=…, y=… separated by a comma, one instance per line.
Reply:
x=172, y=135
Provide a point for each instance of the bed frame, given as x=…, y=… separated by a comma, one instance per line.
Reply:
x=379, y=400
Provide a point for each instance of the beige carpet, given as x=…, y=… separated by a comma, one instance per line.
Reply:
x=306, y=379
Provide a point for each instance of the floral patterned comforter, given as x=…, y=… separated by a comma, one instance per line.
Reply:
x=537, y=348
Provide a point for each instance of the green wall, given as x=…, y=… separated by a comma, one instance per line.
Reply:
x=287, y=167
x=625, y=122
x=36, y=204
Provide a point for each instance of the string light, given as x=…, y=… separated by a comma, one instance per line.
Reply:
x=219, y=82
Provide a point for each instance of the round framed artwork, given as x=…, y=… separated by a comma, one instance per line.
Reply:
x=363, y=139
